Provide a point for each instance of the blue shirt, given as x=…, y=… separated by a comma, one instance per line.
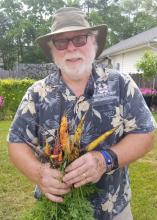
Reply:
x=110, y=99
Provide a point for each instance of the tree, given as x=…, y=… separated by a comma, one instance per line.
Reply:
x=7, y=49
x=73, y=3
x=141, y=14
x=21, y=22
x=148, y=65
x=19, y=32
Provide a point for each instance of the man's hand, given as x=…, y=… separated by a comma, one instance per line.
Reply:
x=88, y=168
x=50, y=183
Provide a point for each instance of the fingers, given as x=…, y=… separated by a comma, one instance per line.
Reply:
x=46, y=170
x=88, y=168
x=54, y=198
x=55, y=191
x=75, y=174
x=51, y=184
x=83, y=177
x=76, y=164
x=86, y=179
x=54, y=186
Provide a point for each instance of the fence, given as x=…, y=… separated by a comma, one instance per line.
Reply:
x=38, y=71
x=35, y=71
x=143, y=83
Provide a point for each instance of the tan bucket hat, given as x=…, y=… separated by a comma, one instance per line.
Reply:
x=72, y=19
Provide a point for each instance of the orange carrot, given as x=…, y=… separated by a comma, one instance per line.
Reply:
x=64, y=135
x=47, y=149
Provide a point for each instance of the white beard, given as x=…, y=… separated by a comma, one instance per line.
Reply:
x=78, y=71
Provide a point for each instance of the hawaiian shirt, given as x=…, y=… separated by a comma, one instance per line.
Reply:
x=110, y=99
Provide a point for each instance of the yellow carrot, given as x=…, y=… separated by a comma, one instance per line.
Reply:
x=78, y=132
x=97, y=141
x=54, y=156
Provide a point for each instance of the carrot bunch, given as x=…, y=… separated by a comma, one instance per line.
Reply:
x=66, y=148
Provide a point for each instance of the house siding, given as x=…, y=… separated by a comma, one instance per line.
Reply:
x=128, y=60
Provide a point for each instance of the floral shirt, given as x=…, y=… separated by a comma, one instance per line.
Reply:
x=110, y=99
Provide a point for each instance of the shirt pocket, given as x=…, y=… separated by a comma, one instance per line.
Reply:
x=103, y=111
x=106, y=106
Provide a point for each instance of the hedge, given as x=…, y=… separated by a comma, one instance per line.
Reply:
x=12, y=90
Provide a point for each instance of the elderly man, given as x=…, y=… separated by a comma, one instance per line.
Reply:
x=77, y=86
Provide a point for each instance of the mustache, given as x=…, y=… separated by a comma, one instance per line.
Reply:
x=73, y=56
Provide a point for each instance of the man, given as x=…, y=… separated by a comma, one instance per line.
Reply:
x=75, y=87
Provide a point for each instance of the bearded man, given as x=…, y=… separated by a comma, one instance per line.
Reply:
x=78, y=86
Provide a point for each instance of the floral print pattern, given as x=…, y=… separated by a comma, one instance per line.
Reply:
x=110, y=99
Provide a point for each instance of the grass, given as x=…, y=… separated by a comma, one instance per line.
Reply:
x=143, y=183
x=16, y=192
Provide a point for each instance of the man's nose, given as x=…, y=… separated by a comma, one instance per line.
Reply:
x=71, y=46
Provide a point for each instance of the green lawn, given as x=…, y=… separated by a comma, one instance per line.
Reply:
x=16, y=191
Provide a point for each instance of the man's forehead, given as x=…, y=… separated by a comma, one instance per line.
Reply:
x=70, y=34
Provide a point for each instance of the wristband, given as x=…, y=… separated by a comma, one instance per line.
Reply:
x=111, y=159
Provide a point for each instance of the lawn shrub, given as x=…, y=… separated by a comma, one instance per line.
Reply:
x=12, y=90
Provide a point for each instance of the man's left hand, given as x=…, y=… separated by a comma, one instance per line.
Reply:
x=88, y=168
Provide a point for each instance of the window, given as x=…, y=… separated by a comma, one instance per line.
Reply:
x=117, y=66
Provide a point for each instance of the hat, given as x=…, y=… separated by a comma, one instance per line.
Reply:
x=71, y=19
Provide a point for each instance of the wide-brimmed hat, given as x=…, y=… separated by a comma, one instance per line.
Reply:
x=71, y=19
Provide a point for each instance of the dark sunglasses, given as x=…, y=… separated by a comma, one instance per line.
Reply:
x=78, y=41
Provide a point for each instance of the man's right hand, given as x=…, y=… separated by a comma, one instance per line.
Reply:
x=51, y=185
x=49, y=180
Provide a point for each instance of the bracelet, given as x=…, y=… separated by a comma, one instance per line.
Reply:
x=111, y=159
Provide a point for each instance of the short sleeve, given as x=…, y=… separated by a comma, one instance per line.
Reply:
x=23, y=127
x=137, y=117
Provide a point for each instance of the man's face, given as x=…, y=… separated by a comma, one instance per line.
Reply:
x=75, y=61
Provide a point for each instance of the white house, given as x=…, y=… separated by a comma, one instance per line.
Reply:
x=124, y=55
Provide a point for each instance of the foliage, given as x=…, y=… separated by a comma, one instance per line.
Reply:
x=21, y=22
x=12, y=92
x=74, y=207
x=141, y=13
x=148, y=65
x=18, y=31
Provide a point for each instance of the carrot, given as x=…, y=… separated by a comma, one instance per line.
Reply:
x=97, y=141
x=64, y=135
x=78, y=132
x=47, y=149
x=54, y=156
x=75, y=152
x=60, y=157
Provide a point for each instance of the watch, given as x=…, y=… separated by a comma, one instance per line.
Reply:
x=111, y=159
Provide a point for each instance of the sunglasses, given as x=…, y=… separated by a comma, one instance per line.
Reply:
x=78, y=41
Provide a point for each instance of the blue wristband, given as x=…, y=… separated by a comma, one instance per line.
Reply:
x=107, y=157
x=111, y=160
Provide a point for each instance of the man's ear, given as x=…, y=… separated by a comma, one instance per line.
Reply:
x=50, y=44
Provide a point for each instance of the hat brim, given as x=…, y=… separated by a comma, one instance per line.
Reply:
x=101, y=38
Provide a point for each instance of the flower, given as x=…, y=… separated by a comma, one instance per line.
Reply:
x=1, y=101
x=148, y=91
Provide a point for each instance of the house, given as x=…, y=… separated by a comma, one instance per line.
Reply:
x=124, y=55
